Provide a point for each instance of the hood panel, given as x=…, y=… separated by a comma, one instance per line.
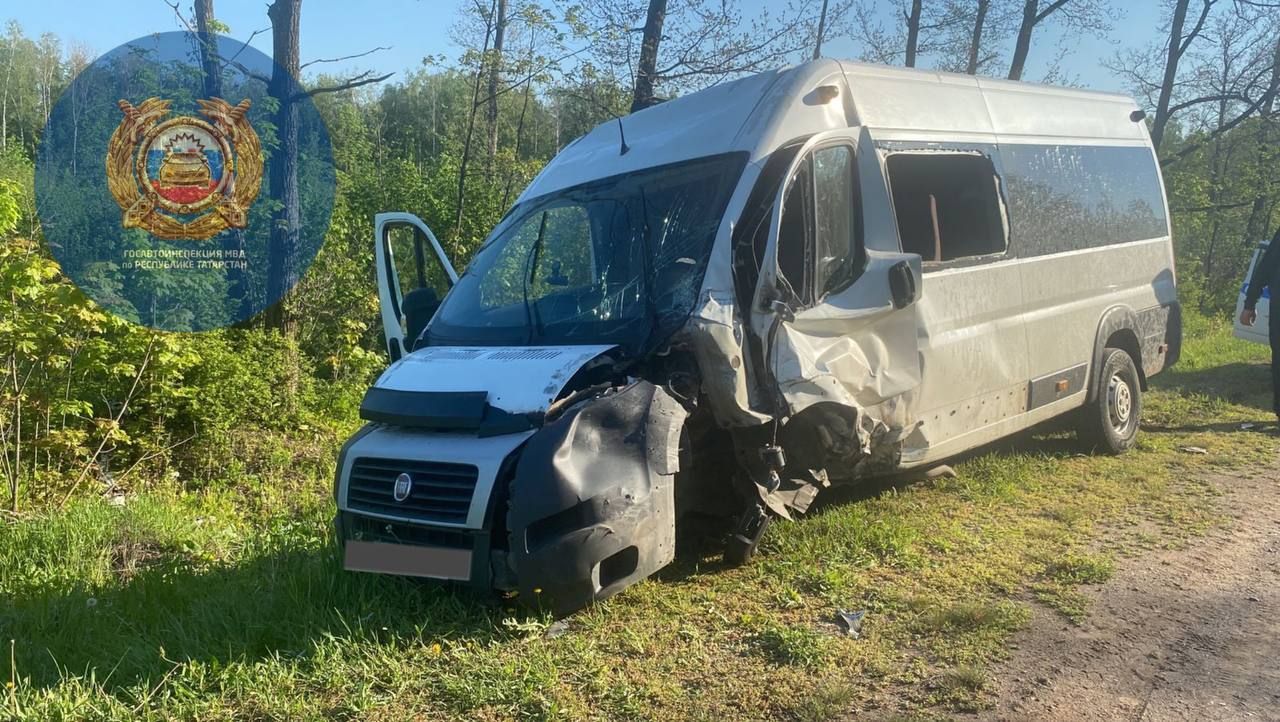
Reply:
x=517, y=379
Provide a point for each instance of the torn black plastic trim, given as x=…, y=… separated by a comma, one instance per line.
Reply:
x=443, y=411
x=589, y=488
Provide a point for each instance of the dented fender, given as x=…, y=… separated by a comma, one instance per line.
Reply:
x=592, y=500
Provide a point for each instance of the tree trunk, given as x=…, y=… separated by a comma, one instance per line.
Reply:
x=286, y=222
x=1256, y=228
x=4, y=105
x=1174, y=54
x=466, y=144
x=822, y=29
x=232, y=240
x=642, y=97
x=208, y=50
x=1030, y=11
x=975, y=43
x=524, y=109
x=495, y=72
x=913, y=32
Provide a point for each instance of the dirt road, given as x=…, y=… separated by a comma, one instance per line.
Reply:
x=1187, y=634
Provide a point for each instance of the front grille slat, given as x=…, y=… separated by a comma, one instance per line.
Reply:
x=428, y=494
x=363, y=496
x=441, y=491
x=461, y=471
x=436, y=483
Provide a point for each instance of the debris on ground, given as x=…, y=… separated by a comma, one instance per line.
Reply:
x=851, y=622
x=557, y=628
x=1193, y=450
x=941, y=471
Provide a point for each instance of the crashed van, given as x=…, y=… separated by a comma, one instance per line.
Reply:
x=711, y=309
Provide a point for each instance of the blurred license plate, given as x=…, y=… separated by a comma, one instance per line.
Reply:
x=407, y=560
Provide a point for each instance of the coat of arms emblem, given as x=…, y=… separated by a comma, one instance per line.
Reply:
x=184, y=178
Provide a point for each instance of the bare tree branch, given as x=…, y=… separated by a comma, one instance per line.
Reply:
x=345, y=57
x=354, y=82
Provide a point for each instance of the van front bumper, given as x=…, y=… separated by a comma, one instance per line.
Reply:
x=567, y=515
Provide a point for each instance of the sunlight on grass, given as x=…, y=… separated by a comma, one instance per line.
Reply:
x=229, y=602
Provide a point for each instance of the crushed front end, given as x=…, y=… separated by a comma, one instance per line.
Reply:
x=567, y=497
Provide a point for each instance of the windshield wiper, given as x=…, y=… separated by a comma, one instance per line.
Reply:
x=533, y=321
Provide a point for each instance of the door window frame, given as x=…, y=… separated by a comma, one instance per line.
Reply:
x=387, y=278
x=811, y=297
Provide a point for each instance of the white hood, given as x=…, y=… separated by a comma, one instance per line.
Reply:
x=518, y=379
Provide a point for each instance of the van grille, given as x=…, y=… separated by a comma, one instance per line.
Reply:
x=441, y=491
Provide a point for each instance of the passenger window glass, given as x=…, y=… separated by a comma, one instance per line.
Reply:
x=835, y=218
x=796, y=233
x=419, y=275
x=415, y=261
x=1070, y=197
x=948, y=205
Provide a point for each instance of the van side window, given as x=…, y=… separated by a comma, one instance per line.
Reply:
x=818, y=244
x=795, y=235
x=948, y=205
x=420, y=276
x=1072, y=197
x=838, y=217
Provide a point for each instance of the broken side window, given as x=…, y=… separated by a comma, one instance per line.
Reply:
x=948, y=205
x=819, y=248
x=796, y=234
x=838, y=218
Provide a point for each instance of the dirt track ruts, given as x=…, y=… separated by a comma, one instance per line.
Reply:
x=1183, y=634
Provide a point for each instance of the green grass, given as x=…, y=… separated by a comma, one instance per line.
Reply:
x=228, y=603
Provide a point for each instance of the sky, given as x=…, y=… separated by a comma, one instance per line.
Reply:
x=414, y=29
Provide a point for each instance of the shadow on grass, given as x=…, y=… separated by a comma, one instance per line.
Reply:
x=1244, y=384
x=278, y=604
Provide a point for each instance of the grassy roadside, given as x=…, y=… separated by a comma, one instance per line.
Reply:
x=228, y=603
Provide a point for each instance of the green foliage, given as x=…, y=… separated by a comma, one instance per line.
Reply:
x=1223, y=199
x=91, y=401
x=229, y=602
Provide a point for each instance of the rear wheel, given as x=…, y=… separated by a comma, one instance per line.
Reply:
x=1110, y=423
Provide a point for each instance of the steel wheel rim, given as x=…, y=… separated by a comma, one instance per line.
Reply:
x=1119, y=403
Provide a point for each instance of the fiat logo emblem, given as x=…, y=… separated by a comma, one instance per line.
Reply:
x=404, y=485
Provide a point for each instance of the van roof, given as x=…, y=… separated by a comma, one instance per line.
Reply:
x=907, y=99
x=760, y=112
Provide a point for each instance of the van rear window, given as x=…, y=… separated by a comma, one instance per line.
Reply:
x=1071, y=197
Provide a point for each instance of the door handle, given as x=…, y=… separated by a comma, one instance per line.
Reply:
x=902, y=284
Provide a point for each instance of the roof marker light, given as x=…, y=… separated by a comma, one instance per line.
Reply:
x=826, y=93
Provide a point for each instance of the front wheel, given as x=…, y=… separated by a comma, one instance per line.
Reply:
x=1110, y=422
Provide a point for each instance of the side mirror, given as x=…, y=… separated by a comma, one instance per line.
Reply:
x=902, y=284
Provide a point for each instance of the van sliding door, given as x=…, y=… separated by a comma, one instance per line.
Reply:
x=948, y=200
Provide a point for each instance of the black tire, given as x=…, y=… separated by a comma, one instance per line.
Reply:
x=1110, y=422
